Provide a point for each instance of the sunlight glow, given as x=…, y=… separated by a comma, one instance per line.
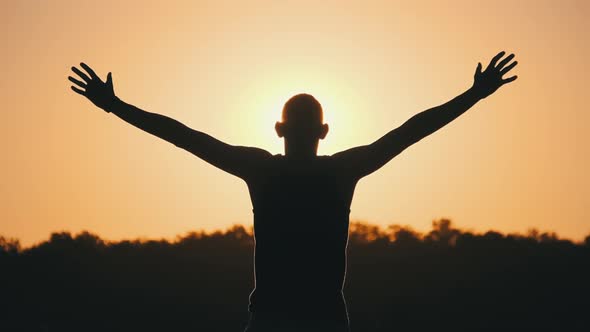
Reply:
x=264, y=102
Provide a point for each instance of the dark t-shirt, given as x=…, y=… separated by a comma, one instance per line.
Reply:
x=301, y=215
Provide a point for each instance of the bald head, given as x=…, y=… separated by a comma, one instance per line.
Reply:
x=302, y=125
x=303, y=108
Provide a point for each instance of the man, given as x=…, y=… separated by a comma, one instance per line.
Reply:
x=299, y=273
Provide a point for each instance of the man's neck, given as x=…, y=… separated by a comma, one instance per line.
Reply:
x=300, y=154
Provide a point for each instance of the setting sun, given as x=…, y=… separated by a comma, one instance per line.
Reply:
x=262, y=105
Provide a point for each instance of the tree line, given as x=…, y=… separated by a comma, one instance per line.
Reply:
x=397, y=279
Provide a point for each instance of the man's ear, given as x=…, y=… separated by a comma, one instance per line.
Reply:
x=279, y=128
x=324, y=131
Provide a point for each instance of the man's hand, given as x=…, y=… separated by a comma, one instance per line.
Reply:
x=98, y=92
x=487, y=82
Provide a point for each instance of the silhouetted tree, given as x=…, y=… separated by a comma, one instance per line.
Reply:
x=443, y=233
x=9, y=246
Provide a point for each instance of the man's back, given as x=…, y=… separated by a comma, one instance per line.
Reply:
x=301, y=214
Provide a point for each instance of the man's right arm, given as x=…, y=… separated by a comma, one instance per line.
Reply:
x=237, y=160
x=158, y=125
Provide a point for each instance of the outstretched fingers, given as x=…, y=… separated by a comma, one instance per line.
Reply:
x=495, y=59
x=508, y=68
x=504, y=66
x=78, y=91
x=81, y=74
x=509, y=79
x=90, y=71
x=77, y=82
x=505, y=61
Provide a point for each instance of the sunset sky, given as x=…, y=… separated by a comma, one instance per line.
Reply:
x=518, y=159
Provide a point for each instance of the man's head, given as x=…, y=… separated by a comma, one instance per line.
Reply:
x=302, y=124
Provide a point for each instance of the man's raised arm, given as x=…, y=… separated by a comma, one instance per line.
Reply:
x=238, y=160
x=363, y=160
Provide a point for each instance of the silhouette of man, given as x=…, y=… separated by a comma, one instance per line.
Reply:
x=301, y=201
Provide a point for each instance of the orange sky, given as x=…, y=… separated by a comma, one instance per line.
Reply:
x=517, y=160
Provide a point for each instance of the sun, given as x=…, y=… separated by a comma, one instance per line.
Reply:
x=264, y=102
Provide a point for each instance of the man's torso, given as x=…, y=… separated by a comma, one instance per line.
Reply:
x=301, y=214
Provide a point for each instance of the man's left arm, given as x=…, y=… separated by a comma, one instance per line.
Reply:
x=364, y=160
